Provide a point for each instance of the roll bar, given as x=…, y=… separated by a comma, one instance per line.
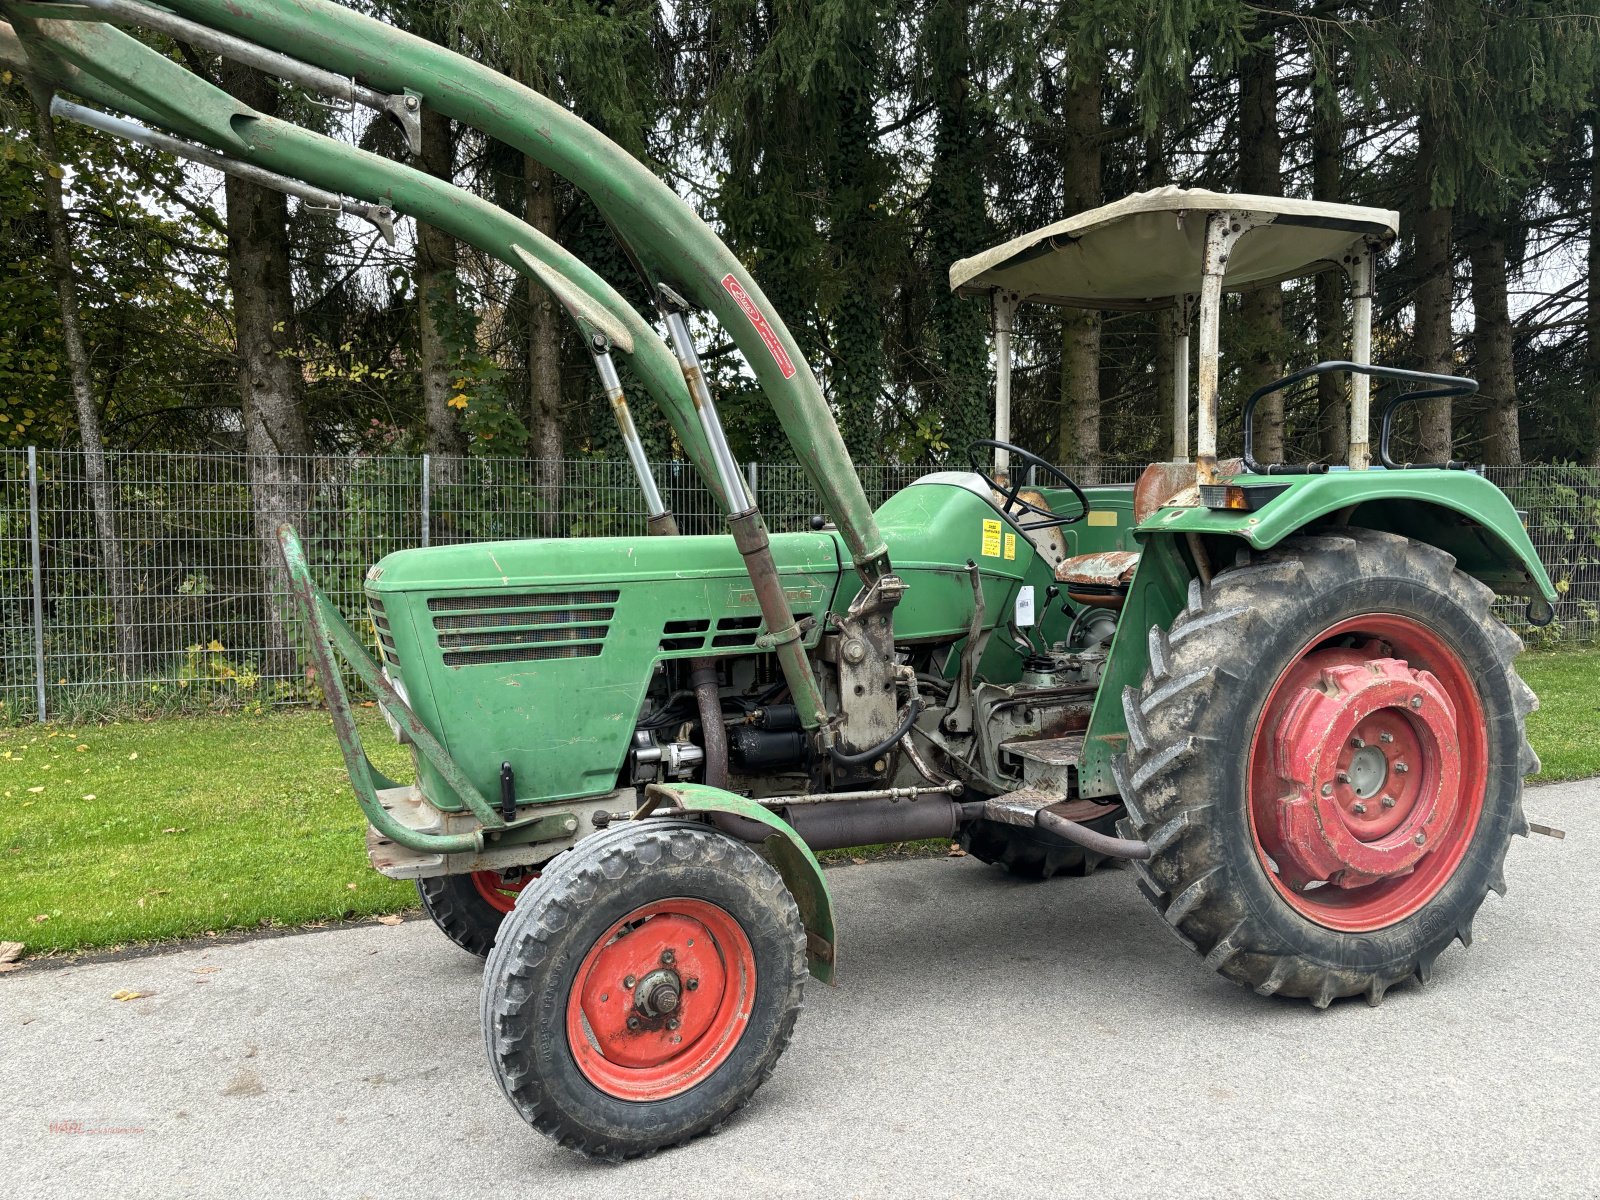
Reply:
x=1433, y=385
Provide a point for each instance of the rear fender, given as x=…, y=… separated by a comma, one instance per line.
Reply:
x=782, y=847
x=1460, y=512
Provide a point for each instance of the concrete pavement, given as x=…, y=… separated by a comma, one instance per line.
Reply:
x=989, y=1036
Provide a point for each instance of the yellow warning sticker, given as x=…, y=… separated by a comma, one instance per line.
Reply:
x=1011, y=545
x=991, y=539
x=1103, y=516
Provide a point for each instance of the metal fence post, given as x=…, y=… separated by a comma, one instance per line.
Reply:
x=750, y=478
x=38, y=578
x=426, y=500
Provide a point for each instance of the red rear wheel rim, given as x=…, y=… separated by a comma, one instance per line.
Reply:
x=499, y=891
x=1367, y=772
x=661, y=1000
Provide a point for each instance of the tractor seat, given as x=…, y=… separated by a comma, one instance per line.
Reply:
x=1102, y=578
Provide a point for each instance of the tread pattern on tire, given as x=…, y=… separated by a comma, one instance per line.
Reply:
x=461, y=914
x=1164, y=775
x=597, y=865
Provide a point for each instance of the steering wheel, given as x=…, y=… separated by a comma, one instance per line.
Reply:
x=1014, y=503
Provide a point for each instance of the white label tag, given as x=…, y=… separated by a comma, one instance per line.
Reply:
x=1025, y=607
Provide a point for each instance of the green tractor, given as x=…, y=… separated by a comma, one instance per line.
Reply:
x=1278, y=691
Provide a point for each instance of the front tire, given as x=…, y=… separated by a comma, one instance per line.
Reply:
x=645, y=991
x=1326, y=758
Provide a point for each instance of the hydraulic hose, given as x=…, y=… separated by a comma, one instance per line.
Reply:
x=856, y=758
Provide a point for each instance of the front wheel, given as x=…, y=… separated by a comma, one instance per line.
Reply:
x=1351, y=831
x=644, y=992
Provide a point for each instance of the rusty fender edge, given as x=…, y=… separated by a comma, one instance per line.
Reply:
x=782, y=847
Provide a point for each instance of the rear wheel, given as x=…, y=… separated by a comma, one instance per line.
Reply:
x=469, y=909
x=646, y=990
x=1351, y=832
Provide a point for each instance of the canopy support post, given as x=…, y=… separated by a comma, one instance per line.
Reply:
x=1223, y=229
x=1182, y=317
x=1005, y=309
x=1361, y=266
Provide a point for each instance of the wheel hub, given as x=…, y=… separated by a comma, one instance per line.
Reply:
x=661, y=999
x=1367, y=751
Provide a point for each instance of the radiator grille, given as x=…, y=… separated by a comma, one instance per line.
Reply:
x=522, y=627
x=737, y=631
x=521, y=600
x=684, y=635
x=380, y=622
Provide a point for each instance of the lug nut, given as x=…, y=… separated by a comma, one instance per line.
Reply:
x=1343, y=776
x=1359, y=808
x=1388, y=801
x=668, y=957
x=1421, y=837
x=1400, y=768
x=628, y=982
x=692, y=982
x=1358, y=743
x=633, y=1022
x=673, y=1023
x=1416, y=702
x=1386, y=737
x=1327, y=789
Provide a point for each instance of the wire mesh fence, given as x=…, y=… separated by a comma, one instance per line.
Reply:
x=181, y=608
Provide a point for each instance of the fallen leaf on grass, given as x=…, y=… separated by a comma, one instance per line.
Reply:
x=127, y=994
x=10, y=951
x=390, y=919
x=350, y=886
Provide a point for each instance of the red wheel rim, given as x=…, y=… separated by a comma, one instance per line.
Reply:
x=499, y=891
x=661, y=999
x=1367, y=772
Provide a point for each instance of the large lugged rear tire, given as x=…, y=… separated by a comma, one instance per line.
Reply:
x=1326, y=758
x=645, y=990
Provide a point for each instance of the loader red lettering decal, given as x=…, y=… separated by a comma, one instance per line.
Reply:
x=748, y=306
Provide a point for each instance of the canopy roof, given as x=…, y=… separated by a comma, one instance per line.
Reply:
x=1145, y=249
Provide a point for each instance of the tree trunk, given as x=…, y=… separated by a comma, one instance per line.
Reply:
x=275, y=434
x=436, y=302
x=1491, y=338
x=1080, y=327
x=1433, y=296
x=544, y=358
x=1592, y=316
x=94, y=455
x=1333, y=410
x=1261, y=174
x=958, y=384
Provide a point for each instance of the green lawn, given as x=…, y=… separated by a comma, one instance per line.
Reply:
x=157, y=829
x=1566, y=729
x=145, y=830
